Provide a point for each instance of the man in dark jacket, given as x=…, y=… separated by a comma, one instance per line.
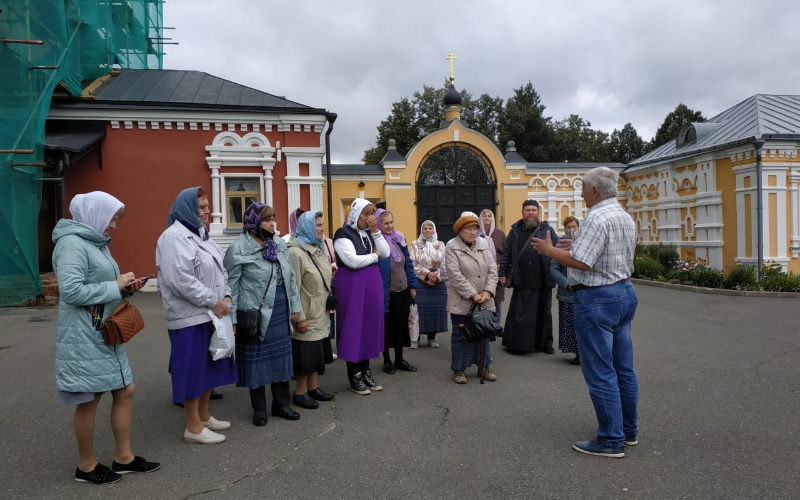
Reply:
x=529, y=323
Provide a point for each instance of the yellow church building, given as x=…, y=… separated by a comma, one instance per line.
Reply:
x=698, y=192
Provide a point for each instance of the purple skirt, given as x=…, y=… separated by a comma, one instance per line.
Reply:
x=193, y=371
x=359, y=313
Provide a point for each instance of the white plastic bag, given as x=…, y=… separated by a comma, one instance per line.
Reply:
x=222, y=341
x=413, y=322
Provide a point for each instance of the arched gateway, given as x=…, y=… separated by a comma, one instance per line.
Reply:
x=453, y=177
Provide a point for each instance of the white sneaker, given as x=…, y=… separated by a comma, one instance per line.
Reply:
x=433, y=344
x=217, y=425
x=414, y=344
x=207, y=436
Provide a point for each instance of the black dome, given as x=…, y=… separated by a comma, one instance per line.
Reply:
x=452, y=97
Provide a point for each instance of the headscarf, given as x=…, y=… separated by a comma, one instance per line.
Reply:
x=429, y=242
x=394, y=236
x=355, y=211
x=492, y=226
x=95, y=209
x=252, y=224
x=306, y=231
x=186, y=210
x=293, y=221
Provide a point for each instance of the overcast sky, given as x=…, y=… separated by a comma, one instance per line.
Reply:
x=611, y=62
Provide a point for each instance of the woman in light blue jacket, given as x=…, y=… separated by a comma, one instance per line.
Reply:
x=261, y=277
x=85, y=368
x=193, y=283
x=567, y=341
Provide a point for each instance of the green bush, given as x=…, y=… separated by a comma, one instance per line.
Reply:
x=741, y=276
x=773, y=279
x=707, y=276
x=647, y=267
x=666, y=255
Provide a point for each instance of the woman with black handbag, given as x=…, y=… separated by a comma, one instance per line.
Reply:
x=471, y=279
x=313, y=275
x=265, y=299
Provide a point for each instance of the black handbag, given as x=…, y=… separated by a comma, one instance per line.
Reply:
x=248, y=321
x=481, y=324
x=330, y=301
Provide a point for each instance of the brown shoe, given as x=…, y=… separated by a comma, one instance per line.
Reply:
x=459, y=377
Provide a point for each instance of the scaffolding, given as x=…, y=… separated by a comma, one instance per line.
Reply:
x=47, y=46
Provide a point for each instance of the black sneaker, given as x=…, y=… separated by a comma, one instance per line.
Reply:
x=99, y=475
x=371, y=381
x=138, y=464
x=357, y=384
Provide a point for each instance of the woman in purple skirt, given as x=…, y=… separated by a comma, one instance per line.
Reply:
x=193, y=281
x=359, y=294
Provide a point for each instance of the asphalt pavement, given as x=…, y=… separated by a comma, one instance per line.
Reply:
x=719, y=418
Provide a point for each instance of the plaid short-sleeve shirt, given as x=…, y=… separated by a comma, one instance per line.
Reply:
x=605, y=242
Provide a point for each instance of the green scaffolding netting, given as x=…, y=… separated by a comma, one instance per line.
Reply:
x=81, y=40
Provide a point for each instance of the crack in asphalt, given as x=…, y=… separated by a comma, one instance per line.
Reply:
x=772, y=358
x=445, y=412
x=271, y=467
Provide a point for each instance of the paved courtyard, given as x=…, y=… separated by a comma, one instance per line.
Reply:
x=719, y=417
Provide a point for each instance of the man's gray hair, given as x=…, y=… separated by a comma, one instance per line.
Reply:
x=604, y=179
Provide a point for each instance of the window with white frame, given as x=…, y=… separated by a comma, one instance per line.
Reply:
x=240, y=192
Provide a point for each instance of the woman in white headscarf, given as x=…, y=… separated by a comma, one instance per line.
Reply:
x=359, y=294
x=89, y=280
x=498, y=237
x=428, y=252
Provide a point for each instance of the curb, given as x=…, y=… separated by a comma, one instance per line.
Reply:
x=716, y=291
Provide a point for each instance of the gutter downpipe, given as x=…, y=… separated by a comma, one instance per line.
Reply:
x=759, y=143
x=331, y=117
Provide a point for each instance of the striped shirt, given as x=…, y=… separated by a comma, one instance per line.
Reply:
x=605, y=242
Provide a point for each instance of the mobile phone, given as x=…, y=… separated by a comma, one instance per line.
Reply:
x=144, y=279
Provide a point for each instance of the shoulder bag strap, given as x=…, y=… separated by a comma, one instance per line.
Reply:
x=272, y=272
x=318, y=270
x=519, y=254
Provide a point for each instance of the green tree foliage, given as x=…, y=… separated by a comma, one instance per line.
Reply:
x=524, y=123
x=575, y=140
x=400, y=125
x=484, y=115
x=625, y=145
x=672, y=124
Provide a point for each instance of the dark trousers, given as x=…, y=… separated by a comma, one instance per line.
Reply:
x=280, y=396
x=353, y=368
x=398, y=355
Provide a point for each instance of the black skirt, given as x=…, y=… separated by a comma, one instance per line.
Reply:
x=308, y=356
x=395, y=325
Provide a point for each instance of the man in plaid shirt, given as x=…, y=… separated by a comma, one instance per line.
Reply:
x=601, y=261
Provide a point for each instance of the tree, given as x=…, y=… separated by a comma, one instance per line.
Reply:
x=400, y=125
x=483, y=115
x=524, y=123
x=626, y=145
x=673, y=123
x=575, y=140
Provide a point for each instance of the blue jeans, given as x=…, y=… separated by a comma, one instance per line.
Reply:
x=603, y=318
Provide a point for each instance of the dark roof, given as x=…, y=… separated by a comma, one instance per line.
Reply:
x=182, y=89
x=392, y=155
x=514, y=157
x=73, y=136
x=760, y=116
x=353, y=169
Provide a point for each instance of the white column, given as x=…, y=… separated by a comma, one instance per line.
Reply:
x=293, y=198
x=316, y=196
x=794, y=179
x=268, y=185
x=216, y=205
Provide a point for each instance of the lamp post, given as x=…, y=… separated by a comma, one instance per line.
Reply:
x=331, y=117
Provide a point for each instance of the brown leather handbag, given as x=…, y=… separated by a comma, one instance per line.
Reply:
x=121, y=325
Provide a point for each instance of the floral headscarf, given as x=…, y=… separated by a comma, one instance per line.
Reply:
x=306, y=232
x=252, y=224
x=394, y=236
x=186, y=210
x=356, y=207
x=429, y=242
x=95, y=209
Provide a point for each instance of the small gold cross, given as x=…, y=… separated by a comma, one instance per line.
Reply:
x=451, y=57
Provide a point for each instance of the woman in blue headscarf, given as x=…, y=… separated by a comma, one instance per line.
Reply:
x=313, y=275
x=193, y=281
x=262, y=278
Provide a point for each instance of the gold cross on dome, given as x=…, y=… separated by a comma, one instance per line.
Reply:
x=451, y=57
